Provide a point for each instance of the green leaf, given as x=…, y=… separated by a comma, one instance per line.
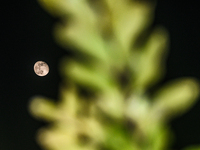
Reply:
x=149, y=67
x=175, y=98
x=112, y=103
x=87, y=75
x=129, y=19
x=42, y=108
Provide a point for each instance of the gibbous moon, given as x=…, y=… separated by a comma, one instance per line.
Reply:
x=41, y=68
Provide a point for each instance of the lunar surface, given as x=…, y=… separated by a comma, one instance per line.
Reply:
x=41, y=68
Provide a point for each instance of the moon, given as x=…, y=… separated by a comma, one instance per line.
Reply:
x=41, y=68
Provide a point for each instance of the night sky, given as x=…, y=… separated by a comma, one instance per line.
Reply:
x=26, y=37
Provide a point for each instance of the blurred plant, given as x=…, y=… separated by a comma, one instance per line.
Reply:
x=104, y=100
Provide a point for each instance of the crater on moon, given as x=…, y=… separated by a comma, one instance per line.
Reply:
x=41, y=68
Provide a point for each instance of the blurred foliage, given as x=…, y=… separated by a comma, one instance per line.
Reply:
x=105, y=102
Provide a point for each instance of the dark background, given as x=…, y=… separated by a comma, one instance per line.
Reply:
x=26, y=37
